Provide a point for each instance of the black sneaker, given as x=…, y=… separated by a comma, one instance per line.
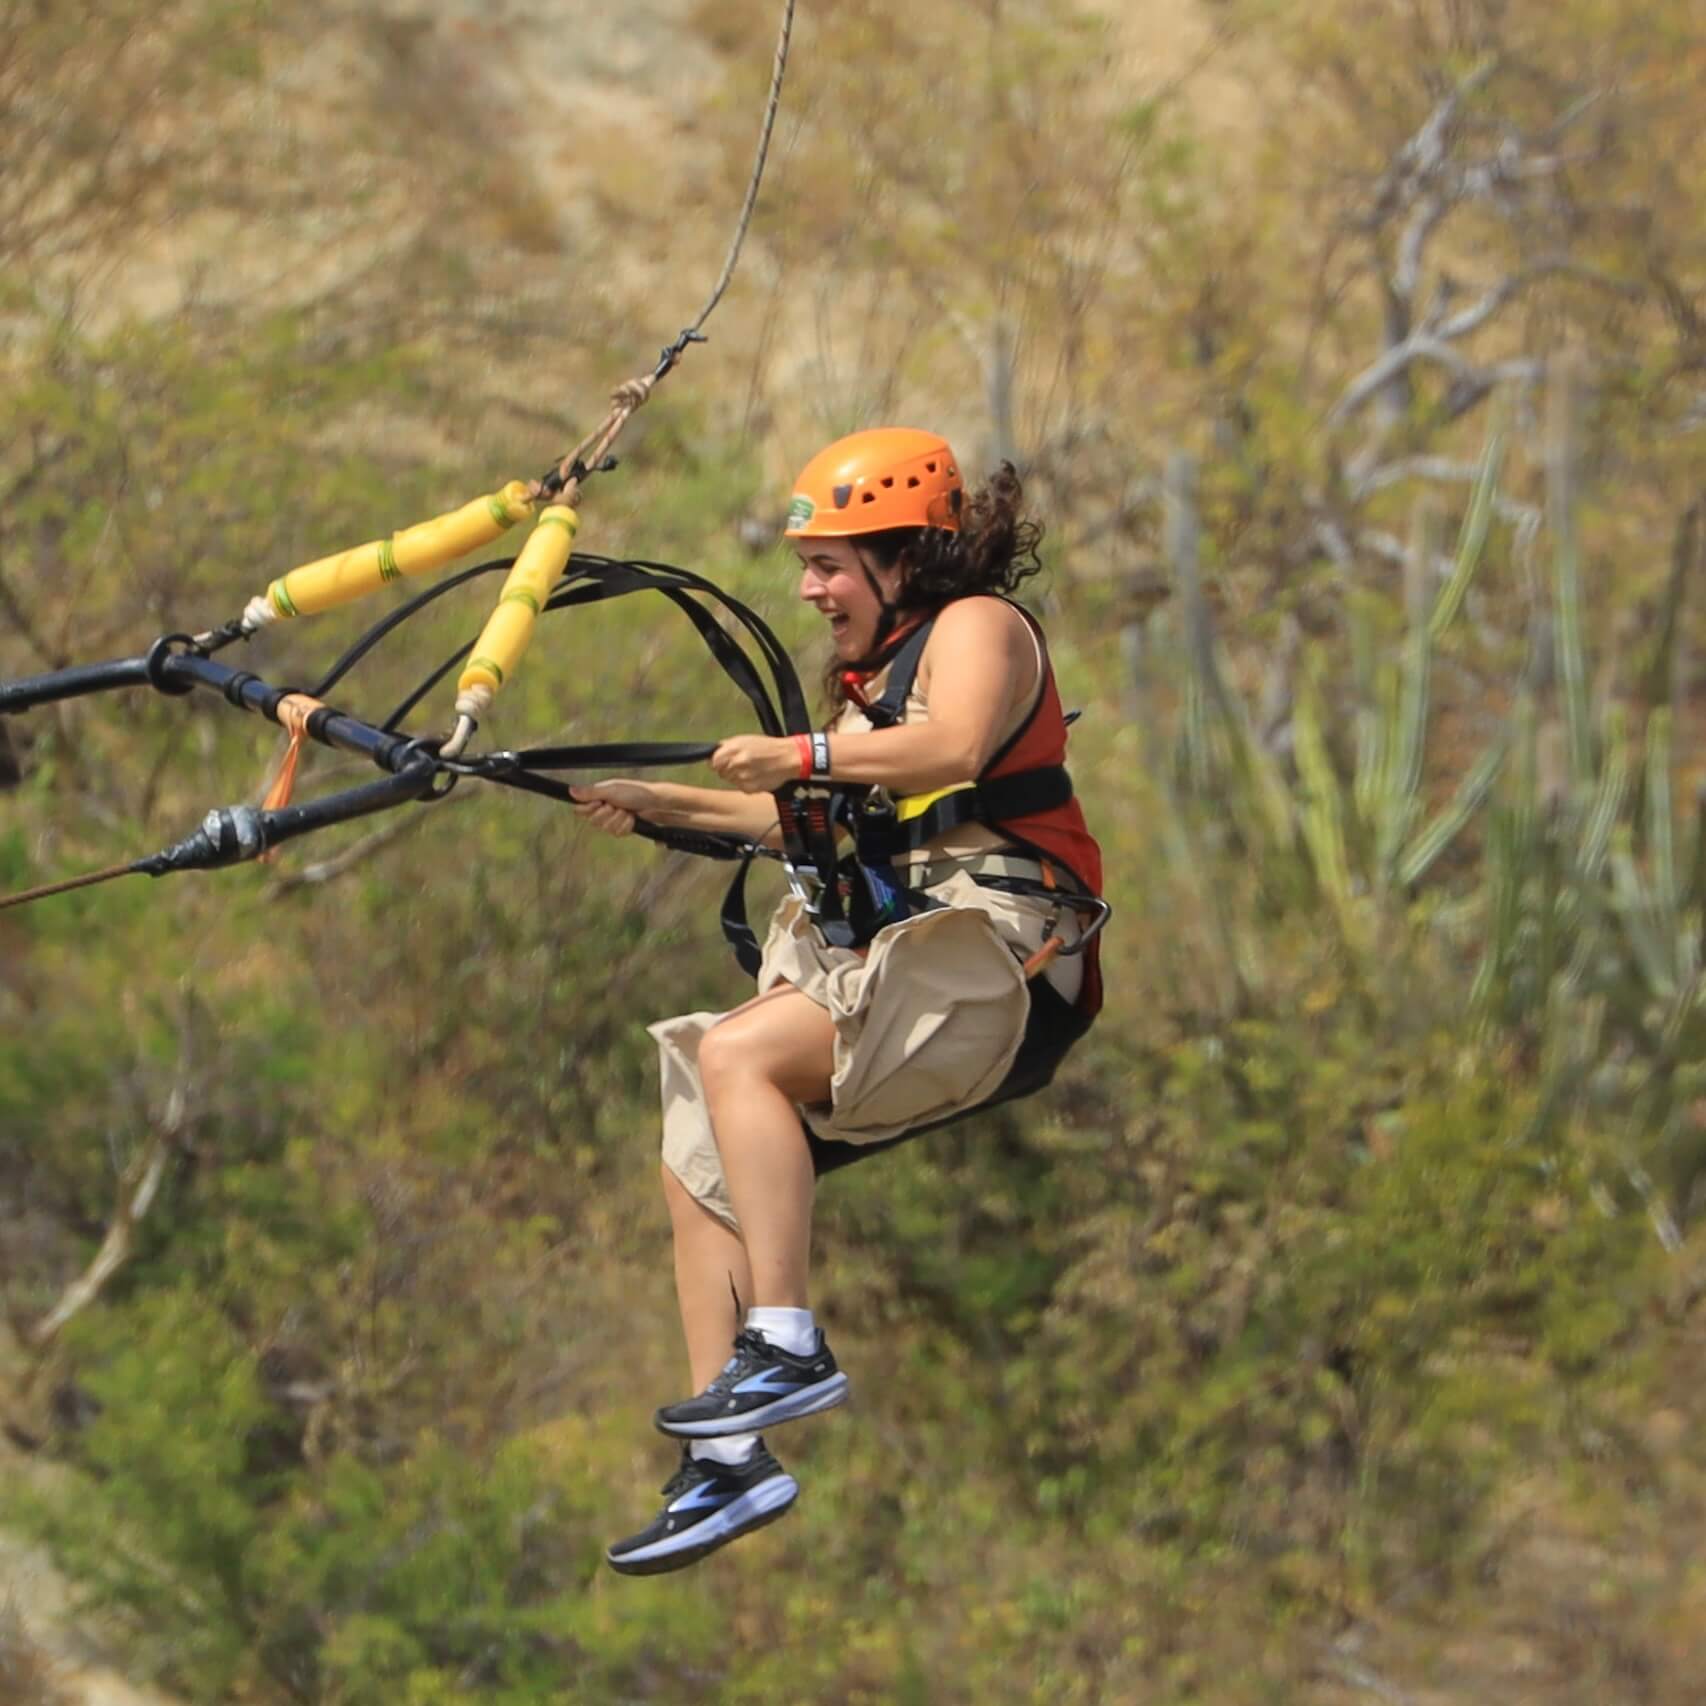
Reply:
x=706, y=1505
x=761, y=1384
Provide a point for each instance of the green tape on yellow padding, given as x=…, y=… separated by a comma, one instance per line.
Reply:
x=526, y=589
x=335, y=580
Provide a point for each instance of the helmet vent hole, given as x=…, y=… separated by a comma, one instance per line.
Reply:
x=911, y=481
x=842, y=494
x=930, y=467
x=888, y=479
x=867, y=497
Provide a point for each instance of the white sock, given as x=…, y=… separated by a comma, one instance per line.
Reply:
x=792, y=1330
x=731, y=1448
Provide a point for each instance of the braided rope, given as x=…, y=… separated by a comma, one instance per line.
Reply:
x=66, y=887
x=565, y=479
x=777, y=70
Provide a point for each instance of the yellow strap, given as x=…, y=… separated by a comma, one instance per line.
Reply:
x=916, y=805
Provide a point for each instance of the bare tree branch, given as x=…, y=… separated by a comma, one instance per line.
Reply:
x=1427, y=180
x=1423, y=345
x=1407, y=269
x=1425, y=152
x=1474, y=317
x=137, y=1190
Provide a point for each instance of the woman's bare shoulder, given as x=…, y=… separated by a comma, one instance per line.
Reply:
x=981, y=632
x=982, y=619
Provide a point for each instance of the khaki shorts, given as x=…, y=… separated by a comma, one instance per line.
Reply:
x=927, y=1022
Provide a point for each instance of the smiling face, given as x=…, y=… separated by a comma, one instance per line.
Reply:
x=833, y=581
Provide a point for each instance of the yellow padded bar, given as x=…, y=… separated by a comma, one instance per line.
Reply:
x=336, y=580
x=509, y=628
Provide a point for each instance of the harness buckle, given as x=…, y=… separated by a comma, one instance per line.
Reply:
x=804, y=884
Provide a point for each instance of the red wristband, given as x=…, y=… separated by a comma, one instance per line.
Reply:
x=804, y=743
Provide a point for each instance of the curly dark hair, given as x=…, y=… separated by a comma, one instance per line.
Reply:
x=994, y=551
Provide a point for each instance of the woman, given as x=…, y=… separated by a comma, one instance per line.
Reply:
x=939, y=682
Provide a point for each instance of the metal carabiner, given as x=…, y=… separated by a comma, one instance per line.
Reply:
x=1082, y=903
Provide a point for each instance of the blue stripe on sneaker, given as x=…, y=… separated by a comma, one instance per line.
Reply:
x=769, y=1380
x=706, y=1496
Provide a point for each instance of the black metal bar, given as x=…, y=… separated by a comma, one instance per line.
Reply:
x=232, y=835
x=176, y=671
x=73, y=683
x=251, y=693
x=413, y=782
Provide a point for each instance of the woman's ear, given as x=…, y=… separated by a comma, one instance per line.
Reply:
x=903, y=573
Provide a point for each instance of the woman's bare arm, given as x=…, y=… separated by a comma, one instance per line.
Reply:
x=612, y=806
x=979, y=669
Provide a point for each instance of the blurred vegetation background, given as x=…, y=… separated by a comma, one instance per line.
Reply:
x=1333, y=1331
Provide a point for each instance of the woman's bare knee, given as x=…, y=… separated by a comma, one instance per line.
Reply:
x=787, y=1045
x=726, y=1053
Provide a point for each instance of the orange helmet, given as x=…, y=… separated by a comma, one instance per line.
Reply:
x=872, y=481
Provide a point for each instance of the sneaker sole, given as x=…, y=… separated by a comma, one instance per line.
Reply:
x=826, y=1395
x=751, y=1511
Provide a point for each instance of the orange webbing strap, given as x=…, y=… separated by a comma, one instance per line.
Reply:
x=1044, y=957
x=294, y=710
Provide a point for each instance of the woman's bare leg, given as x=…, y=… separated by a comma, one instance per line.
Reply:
x=708, y=1257
x=755, y=1066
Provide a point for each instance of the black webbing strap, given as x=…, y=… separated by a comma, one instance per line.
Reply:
x=889, y=707
x=612, y=755
x=591, y=579
x=737, y=930
x=994, y=802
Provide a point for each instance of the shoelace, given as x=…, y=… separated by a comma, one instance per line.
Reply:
x=691, y=1470
x=752, y=1350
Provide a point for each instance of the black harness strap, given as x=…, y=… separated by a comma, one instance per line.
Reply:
x=889, y=708
x=607, y=755
x=881, y=834
x=1024, y=793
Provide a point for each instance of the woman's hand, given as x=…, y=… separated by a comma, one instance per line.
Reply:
x=613, y=806
x=757, y=764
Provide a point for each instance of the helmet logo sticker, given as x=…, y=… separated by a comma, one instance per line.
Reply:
x=801, y=510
